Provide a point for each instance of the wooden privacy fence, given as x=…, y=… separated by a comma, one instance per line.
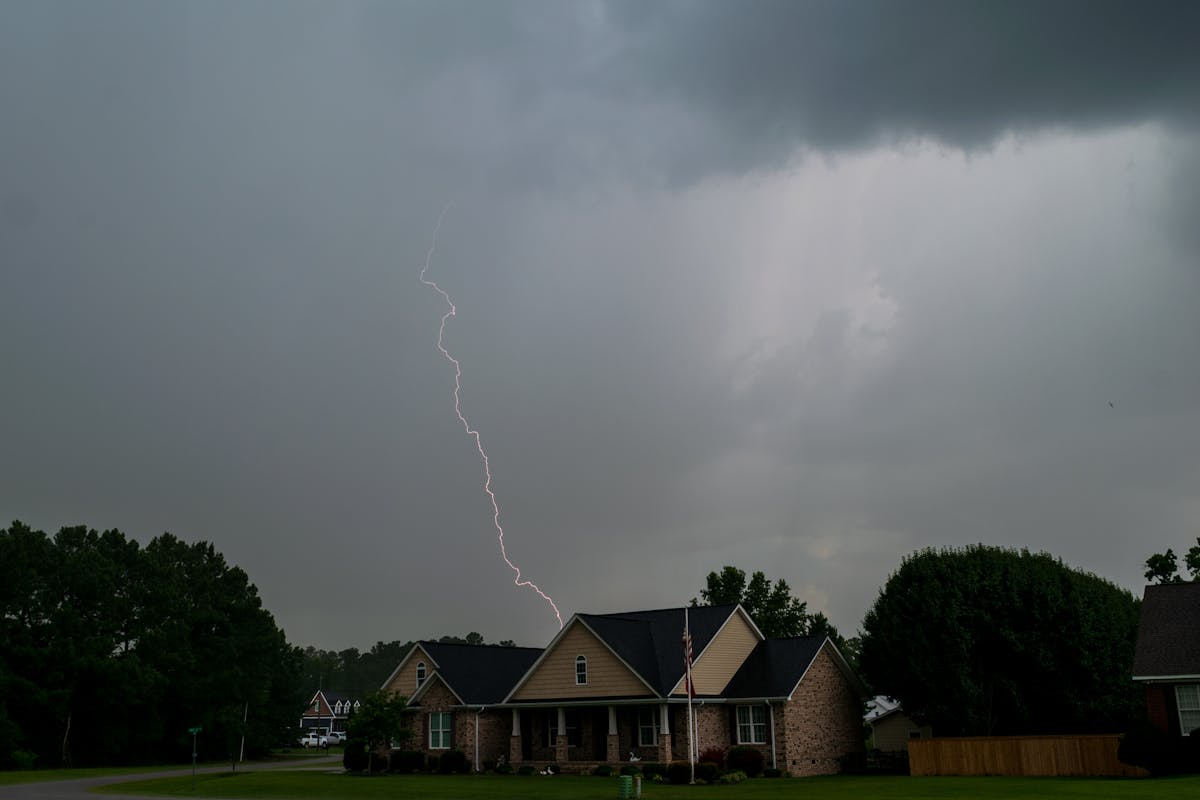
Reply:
x=1019, y=755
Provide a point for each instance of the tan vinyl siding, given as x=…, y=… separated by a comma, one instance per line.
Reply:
x=893, y=732
x=555, y=675
x=714, y=668
x=405, y=681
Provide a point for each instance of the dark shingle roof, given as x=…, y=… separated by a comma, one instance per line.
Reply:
x=774, y=667
x=651, y=642
x=481, y=674
x=333, y=697
x=1168, y=641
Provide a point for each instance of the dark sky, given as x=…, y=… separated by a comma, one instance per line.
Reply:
x=799, y=287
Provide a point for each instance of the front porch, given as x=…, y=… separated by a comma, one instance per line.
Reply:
x=580, y=737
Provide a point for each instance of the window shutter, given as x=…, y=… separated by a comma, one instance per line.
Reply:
x=733, y=726
x=453, y=737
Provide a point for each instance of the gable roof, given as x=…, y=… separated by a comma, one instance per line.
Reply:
x=478, y=674
x=651, y=642
x=327, y=698
x=777, y=666
x=774, y=667
x=1168, y=640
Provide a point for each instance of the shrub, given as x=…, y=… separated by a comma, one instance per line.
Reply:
x=453, y=762
x=526, y=769
x=504, y=769
x=747, y=759
x=22, y=759
x=714, y=754
x=1148, y=747
x=603, y=770
x=679, y=772
x=379, y=762
x=354, y=757
x=431, y=764
x=772, y=772
x=734, y=776
x=652, y=769
x=406, y=762
x=707, y=771
x=630, y=769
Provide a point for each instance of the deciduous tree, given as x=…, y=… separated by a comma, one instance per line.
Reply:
x=985, y=640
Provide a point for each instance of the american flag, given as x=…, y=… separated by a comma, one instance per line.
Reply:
x=687, y=660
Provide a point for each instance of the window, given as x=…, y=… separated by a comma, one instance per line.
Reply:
x=648, y=727
x=439, y=730
x=1187, y=698
x=574, y=736
x=420, y=673
x=581, y=670
x=751, y=725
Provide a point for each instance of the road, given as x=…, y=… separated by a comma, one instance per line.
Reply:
x=80, y=788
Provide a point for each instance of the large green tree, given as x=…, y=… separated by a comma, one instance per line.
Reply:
x=1164, y=567
x=109, y=651
x=771, y=606
x=988, y=641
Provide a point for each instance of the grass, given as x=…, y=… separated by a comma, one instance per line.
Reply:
x=293, y=785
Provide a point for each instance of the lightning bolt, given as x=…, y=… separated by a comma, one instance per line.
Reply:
x=487, y=467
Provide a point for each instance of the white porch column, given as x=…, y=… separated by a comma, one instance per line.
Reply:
x=516, y=731
x=562, y=721
x=612, y=720
x=664, y=719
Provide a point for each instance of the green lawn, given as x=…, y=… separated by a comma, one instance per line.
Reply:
x=326, y=786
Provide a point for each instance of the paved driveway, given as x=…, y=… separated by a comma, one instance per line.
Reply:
x=80, y=788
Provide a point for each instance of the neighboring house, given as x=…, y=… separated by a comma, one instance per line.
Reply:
x=1167, y=658
x=891, y=728
x=327, y=711
x=610, y=687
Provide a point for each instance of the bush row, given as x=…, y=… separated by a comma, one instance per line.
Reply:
x=715, y=766
x=407, y=762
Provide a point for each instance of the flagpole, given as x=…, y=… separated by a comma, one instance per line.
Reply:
x=687, y=644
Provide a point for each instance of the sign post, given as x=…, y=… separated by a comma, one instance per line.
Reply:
x=193, y=732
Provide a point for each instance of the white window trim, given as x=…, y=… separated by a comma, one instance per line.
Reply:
x=581, y=660
x=422, y=673
x=440, y=716
x=1193, y=689
x=751, y=724
x=654, y=718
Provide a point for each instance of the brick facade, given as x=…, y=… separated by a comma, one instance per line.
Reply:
x=806, y=735
x=822, y=723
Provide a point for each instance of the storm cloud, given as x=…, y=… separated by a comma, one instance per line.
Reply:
x=798, y=287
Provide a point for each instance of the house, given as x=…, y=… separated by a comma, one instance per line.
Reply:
x=891, y=728
x=327, y=711
x=1167, y=657
x=611, y=688
x=455, y=690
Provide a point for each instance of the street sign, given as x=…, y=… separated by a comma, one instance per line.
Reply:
x=194, y=731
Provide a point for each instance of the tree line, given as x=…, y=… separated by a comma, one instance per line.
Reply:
x=110, y=652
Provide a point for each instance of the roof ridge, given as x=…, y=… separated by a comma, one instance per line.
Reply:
x=617, y=614
x=477, y=646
